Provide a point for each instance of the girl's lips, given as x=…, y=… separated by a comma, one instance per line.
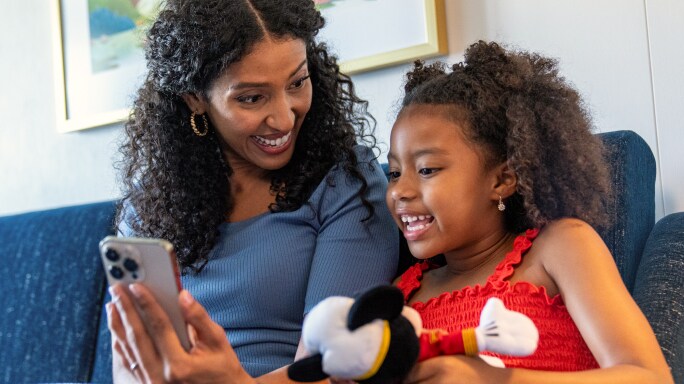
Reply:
x=416, y=225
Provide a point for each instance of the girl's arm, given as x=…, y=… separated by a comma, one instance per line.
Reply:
x=611, y=323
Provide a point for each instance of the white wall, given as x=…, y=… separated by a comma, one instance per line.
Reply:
x=40, y=168
x=620, y=54
x=624, y=56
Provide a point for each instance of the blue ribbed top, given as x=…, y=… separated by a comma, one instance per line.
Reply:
x=266, y=272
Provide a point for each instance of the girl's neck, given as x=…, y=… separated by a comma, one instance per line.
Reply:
x=491, y=249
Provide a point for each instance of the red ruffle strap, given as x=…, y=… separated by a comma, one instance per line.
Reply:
x=410, y=280
x=506, y=268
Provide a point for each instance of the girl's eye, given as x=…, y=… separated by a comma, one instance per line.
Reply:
x=427, y=171
x=299, y=83
x=249, y=99
x=394, y=175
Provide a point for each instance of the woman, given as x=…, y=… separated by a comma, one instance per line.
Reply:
x=242, y=151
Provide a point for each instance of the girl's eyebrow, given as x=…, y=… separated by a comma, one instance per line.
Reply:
x=243, y=85
x=421, y=152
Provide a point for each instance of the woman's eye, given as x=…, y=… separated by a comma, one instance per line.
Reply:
x=299, y=83
x=249, y=99
x=427, y=171
x=393, y=175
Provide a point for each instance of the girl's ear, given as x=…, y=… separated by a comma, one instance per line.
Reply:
x=196, y=103
x=506, y=180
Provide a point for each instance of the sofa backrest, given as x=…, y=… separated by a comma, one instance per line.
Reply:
x=51, y=292
x=632, y=210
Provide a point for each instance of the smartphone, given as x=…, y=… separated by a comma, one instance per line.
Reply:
x=151, y=262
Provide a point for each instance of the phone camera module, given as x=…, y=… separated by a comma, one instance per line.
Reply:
x=130, y=265
x=116, y=272
x=112, y=255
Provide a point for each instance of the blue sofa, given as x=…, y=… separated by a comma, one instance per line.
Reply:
x=52, y=288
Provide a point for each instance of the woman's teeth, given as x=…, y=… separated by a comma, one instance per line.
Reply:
x=274, y=143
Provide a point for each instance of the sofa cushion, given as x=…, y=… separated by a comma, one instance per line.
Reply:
x=51, y=292
x=659, y=288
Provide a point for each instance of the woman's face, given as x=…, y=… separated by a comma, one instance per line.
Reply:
x=258, y=104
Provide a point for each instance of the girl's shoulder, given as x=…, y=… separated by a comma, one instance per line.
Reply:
x=566, y=235
x=569, y=244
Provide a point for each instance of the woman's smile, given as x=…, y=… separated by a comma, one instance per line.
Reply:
x=274, y=144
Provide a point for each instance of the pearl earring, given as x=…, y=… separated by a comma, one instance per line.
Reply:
x=501, y=205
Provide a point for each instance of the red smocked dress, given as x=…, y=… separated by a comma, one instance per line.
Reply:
x=561, y=347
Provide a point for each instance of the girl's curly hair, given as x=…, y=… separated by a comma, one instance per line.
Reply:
x=177, y=183
x=516, y=108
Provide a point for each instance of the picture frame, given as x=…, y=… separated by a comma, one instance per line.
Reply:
x=372, y=34
x=96, y=73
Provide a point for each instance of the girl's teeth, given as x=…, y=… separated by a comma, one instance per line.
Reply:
x=411, y=219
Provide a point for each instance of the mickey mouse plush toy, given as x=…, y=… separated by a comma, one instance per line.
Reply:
x=376, y=339
x=367, y=340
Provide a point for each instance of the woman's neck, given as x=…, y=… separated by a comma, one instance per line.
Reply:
x=250, y=189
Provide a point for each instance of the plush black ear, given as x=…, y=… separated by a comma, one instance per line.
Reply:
x=383, y=302
x=308, y=369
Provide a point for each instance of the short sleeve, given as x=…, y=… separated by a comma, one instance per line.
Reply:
x=352, y=254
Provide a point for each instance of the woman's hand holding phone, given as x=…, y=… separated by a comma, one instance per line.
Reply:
x=152, y=343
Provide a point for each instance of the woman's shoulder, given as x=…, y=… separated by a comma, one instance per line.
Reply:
x=366, y=164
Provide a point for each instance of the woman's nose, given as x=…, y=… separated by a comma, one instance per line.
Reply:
x=282, y=114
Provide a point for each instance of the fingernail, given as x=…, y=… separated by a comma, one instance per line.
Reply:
x=135, y=289
x=108, y=307
x=186, y=297
x=114, y=293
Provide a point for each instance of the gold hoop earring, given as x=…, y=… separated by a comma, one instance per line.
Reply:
x=194, y=126
x=501, y=205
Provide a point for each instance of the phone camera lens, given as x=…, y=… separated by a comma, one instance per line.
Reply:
x=112, y=255
x=130, y=265
x=116, y=272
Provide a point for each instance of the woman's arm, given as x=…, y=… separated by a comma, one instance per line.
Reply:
x=614, y=328
x=353, y=251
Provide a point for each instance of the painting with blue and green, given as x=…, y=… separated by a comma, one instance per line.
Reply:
x=117, y=31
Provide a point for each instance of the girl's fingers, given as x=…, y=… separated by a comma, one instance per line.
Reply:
x=208, y=333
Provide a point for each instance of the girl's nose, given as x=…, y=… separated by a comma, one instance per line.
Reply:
x=402, y=189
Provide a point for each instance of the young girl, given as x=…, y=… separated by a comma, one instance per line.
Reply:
x=493, y=165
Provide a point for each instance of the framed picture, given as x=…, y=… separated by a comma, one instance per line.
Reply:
x=370, y=34
x=98, y=58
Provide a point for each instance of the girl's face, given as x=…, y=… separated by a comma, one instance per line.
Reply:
x=259, y=103
x=439, y=193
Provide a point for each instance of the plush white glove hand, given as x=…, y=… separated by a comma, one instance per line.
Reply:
x=505, y=332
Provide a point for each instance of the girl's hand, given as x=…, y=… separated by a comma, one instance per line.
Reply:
x=153, y=354
x=455, y=370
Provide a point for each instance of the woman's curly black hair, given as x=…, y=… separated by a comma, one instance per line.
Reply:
x=517, y=109
x=176, y=182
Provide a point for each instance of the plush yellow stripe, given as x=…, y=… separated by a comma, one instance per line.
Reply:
x=470, y=342
x=380, y=358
